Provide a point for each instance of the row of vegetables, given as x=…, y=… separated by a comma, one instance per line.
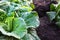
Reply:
x=18, y=21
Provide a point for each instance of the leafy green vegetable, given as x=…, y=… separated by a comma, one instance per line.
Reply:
x=16, y=17
x=54, y=13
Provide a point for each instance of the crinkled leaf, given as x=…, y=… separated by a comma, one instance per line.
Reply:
x=25, y=9
x=34, y=34
x=28, y=37
x=9, y=23
x=4, y=6
x=2, y=15
x=19, y=27
x=31, y=19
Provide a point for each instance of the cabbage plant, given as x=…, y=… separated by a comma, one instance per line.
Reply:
x=17, y=20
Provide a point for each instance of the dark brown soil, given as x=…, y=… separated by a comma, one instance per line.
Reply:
x=47, y=30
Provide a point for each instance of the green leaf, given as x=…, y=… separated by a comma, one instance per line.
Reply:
x=11, y=14
x=9, y=22
x=34, y=34
x=51, y=15
x=19, y=27
x=2, y=15
x=31, y=19
x=25, y=9
x=52, y=7
x=32, y=5
x=57, y=8
x=28, y=37
x=58, y=12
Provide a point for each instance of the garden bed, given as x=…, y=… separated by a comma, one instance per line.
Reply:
x=47, y=30
x=18, y=20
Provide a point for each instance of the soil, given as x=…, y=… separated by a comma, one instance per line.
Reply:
x=47, y=30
